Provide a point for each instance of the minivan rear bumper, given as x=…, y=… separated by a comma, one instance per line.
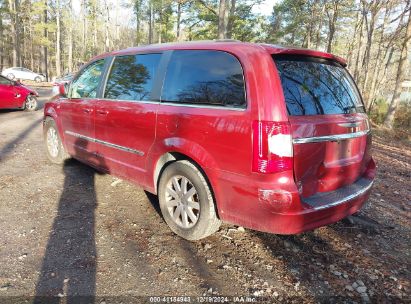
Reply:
x=241, y=205
x=325, y=208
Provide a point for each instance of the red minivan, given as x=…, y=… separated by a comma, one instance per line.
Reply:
x=271, y=138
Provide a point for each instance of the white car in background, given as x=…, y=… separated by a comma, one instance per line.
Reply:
x=22, y=73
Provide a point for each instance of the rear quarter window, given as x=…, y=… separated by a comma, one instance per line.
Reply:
x=204, y=78
x=317, y=87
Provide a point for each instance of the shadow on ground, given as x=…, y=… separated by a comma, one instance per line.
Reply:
x=69, y=265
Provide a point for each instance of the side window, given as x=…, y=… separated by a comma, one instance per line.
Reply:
x=131, y=77
x=86, y=84
x=4, y=80
x=204, y=77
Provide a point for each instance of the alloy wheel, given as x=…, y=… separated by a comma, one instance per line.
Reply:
x=182, y=201
x=31, y=103
x=52, y=142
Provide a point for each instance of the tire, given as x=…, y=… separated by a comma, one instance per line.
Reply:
x=11, y=76
x=37, y=79
x=31, y=104
x=206, y=221
x=59, y=155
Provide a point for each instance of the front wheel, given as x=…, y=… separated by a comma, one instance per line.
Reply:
x=186, y=201
x=37, y=79
x=11, y=76
x=54, y=147
x=31, y=103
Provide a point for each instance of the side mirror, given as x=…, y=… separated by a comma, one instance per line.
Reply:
x=62, y=90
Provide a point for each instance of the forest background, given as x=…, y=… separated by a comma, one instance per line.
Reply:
x=55, y=37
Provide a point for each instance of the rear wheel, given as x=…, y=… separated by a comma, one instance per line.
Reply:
x=11, y=76
x=37, y=79
x=31, y=103
x=54, y=147
x=186, y=201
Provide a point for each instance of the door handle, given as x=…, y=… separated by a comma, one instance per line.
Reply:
x=88, y=111
x=102, y=112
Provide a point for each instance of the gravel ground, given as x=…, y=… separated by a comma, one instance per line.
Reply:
x=70, y=231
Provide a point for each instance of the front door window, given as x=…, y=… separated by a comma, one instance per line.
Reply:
x=86, y=85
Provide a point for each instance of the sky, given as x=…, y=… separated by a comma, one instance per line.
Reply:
x=265, y=8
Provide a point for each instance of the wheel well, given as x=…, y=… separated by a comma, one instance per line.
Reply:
x=164, y=161
x=170, y=157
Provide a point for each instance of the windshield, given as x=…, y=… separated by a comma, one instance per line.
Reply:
x=315, y=86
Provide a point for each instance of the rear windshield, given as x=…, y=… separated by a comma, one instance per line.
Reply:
x=315, y=86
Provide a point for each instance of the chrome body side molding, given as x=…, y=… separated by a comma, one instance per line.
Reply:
x=105, y=143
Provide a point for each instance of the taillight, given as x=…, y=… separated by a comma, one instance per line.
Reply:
x=272, y=147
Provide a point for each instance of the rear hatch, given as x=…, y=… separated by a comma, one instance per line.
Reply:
x=330, y=130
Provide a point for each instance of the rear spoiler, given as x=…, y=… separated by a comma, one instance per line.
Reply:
x=306, y=52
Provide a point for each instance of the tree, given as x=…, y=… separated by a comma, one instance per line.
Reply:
x=58, y=42
x=138, y=8
x=332, y=13
x=14, y=6
x=70, y=38
x=222, y=20
x=44, y=49
x=402, y=63
x=54, y=36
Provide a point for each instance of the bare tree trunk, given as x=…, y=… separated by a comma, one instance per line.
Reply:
x=44, y=50
x=32, y=49
x=117, y=38
x=389, y=118
x=23, y=46
x=357, y=59
x=138, y=30
x=178, y=20
x=311, y=25
x=377, y=68
x=58, y=44
x=13, y=30
x=107, y=34
x=331, y=25
x=380, y=81
x=231, y=18
x=150, y=23
x=95, y=42
x=70, y=39
x=1, y=42
x=352, y=42
x=381, y=78
x=318, y=30
x=17, y=27
x=221, y=20
x=137, y=12
x=160, y=26
x=84, y=45
x=366, y=60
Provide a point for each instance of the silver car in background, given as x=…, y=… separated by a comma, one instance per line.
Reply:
x=22, y=73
